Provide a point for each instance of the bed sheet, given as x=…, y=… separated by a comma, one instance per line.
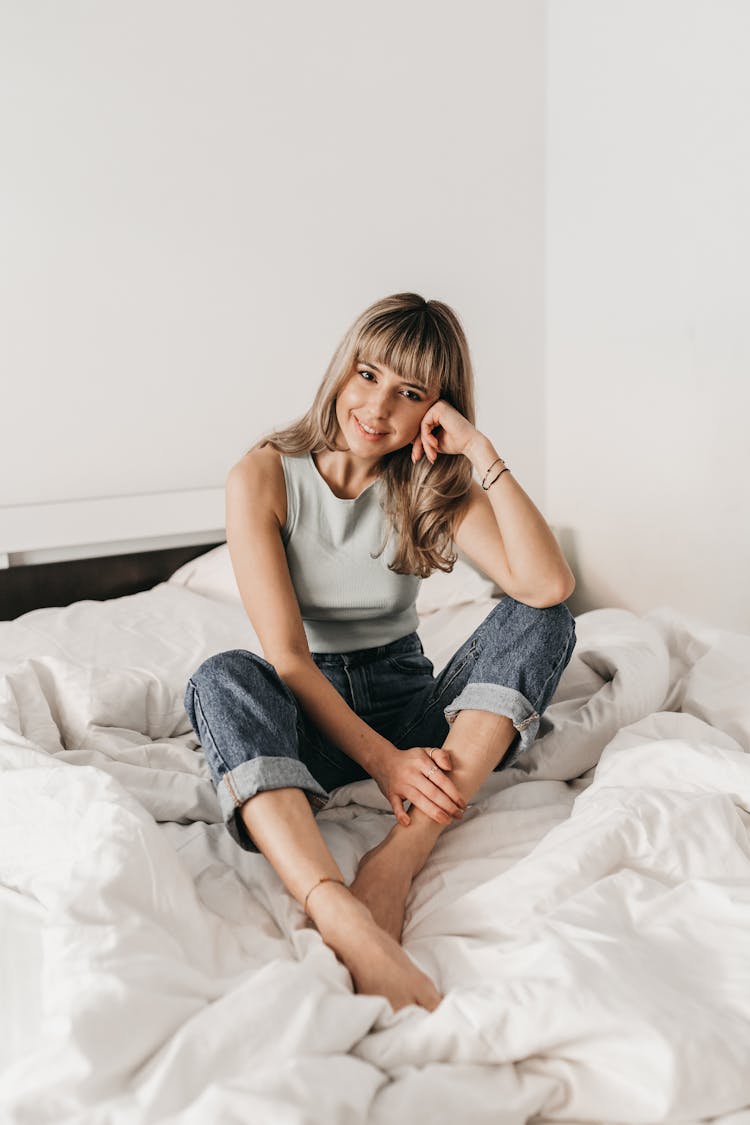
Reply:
x=588, y=922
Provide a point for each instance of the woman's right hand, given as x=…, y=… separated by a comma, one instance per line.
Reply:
x=411, y=775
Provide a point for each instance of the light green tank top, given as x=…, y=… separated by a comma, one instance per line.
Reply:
x=348, y=599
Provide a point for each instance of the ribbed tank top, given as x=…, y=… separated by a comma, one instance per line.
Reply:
x=348, y=599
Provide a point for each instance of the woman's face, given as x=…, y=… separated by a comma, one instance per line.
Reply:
x=378, y=412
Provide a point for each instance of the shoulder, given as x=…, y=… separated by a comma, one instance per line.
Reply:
x=258, y=480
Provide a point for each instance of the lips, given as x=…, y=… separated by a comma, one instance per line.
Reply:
x=363, y=431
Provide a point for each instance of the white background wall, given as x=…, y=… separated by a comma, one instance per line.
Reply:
x=648, y=295
x=199, y=198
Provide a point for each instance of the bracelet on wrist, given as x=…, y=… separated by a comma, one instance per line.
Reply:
x=497, y=461
x=489, y=486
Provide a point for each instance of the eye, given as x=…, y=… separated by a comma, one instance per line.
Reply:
x=367, y=375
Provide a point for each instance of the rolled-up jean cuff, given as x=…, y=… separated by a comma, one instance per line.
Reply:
x=500, y=701
x=256, y=776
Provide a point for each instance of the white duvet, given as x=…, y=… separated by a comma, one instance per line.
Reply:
x=588, y=923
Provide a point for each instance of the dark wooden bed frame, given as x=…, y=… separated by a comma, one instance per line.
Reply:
x=23, y=588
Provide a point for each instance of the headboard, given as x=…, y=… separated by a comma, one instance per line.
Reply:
x=23, y=588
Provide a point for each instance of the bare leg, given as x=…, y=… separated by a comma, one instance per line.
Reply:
x=283, y=827
x=477, y=740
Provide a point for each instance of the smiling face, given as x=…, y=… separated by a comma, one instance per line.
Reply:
x=378, y=412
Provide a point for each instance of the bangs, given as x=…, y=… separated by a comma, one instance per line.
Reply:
x=412, y=345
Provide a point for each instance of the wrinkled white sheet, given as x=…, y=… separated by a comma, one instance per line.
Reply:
x=588, y=923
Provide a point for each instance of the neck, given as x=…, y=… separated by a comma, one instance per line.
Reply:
x=345, y=474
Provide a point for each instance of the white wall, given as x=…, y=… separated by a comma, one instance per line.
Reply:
x=648, y=252
x=198, y=197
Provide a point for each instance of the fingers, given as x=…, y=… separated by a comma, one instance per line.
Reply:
x=422, y=438
x=400, y=813
x=430, y=444
x=435, y=789
x=442, y=758
x=425, y=805
x=431, y=800
x=424, y=781
x=426, y=443
x=437, y=796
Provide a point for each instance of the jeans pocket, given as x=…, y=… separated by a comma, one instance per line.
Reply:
x=411, y=664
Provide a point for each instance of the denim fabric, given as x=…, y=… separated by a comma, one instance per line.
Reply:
x=255, y=735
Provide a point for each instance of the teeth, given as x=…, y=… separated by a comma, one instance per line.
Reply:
x=367, y=428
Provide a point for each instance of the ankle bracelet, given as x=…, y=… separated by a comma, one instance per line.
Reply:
x=325, y=879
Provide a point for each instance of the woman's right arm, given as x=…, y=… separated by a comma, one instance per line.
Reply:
x=255, y=515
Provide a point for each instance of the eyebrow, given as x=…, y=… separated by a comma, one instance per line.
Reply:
x=374, y=366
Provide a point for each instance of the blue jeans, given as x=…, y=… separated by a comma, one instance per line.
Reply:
x=255, y=735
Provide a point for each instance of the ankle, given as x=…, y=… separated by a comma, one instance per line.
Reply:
x=334, y=908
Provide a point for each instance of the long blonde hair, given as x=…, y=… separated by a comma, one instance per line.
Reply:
x=425, y=343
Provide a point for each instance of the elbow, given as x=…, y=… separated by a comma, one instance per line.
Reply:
x=568, y=587
x=555, y=593
x=289, y=662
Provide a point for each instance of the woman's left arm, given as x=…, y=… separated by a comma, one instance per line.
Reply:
x=501, y=529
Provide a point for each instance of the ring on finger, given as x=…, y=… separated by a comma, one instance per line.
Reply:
x=432, y=771
x=431, y=752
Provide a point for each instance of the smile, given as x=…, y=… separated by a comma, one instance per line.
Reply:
x=367, y=432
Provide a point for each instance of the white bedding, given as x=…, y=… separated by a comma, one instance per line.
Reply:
x=588, y=923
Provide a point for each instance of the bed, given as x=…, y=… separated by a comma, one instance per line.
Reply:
x=588, y=922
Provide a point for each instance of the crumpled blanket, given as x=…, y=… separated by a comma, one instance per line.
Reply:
x=588, y=923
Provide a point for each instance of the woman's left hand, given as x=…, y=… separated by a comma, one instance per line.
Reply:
x=454, y=433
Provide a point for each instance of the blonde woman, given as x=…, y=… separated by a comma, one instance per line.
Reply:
x=331, y=524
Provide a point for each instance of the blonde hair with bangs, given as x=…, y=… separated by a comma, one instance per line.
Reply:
x=424, y=342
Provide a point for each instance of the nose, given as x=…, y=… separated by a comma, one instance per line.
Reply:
x=379, y=405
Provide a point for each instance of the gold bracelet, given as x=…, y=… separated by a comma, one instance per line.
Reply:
x=489, y=486
x=325, y=879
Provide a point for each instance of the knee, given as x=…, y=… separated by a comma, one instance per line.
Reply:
x=551, y=626
x=222, y=673
x=552, y=617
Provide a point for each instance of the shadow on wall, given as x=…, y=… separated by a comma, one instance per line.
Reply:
x=590, y=592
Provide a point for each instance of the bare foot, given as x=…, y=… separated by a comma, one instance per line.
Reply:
x=382, y=883
x=377, y=963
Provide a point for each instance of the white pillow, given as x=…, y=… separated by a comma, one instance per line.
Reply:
x=211, y=574
x=465, y=584
x=618, y=674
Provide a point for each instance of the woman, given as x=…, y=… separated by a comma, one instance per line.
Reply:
x=331, y=524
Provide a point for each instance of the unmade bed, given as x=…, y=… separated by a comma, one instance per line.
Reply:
x=588, y=922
